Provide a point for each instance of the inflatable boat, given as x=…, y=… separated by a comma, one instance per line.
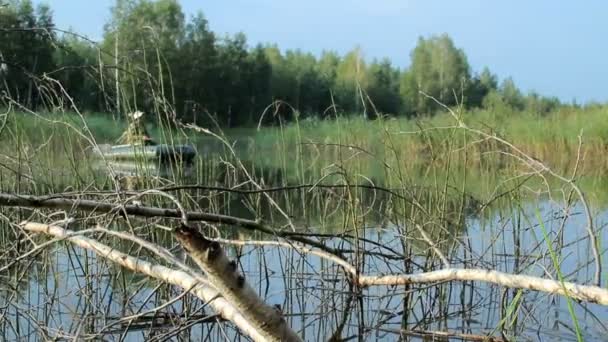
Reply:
x=148, y=153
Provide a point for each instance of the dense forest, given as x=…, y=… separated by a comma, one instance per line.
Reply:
x=153, y=58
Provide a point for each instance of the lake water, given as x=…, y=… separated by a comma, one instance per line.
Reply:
x=68, y=293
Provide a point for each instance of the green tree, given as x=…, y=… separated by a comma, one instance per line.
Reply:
x=351, y=82
x=196, y=71
x=282, y=84
x=27, y=38
x=280, y=80
x=234, y=72
x=511, y=94
x=259, y=83
x=307, y=93
x=78, y=72
x=479, y=87
x=438, y=69
x=535, y=103
x=383, y=87
x=327, y=69
x=145, y=37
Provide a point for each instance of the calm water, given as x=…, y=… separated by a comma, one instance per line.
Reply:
x=69, y=292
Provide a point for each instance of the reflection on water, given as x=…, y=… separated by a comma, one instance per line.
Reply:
x=89, y=294
x=67, y=292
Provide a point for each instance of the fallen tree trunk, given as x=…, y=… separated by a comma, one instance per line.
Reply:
x=171, y=276
x=224, y=276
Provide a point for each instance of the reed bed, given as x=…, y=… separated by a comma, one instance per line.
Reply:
x=387, y=197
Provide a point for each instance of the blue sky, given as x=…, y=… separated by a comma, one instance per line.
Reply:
x=554, y=47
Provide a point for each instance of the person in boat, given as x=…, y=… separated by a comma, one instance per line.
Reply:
x=136, y=133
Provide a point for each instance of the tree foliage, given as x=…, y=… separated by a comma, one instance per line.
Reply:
x=26, y=48
x=153, y=58
x=383, y=87
x=439, y=70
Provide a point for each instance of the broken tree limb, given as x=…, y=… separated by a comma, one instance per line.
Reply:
x=587, y=293
x=592, y=294
x=168, y=275
x=224, y=276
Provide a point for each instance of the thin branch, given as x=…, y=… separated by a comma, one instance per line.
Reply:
x=91, y=206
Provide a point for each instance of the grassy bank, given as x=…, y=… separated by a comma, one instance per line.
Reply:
x=525, y=129
x=102, y=127
x=553, y=138
x=48, y=152
x=391, y=152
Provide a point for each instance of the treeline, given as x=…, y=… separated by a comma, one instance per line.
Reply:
x=152, y=58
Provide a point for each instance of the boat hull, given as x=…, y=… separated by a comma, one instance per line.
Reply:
x=160, y=153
